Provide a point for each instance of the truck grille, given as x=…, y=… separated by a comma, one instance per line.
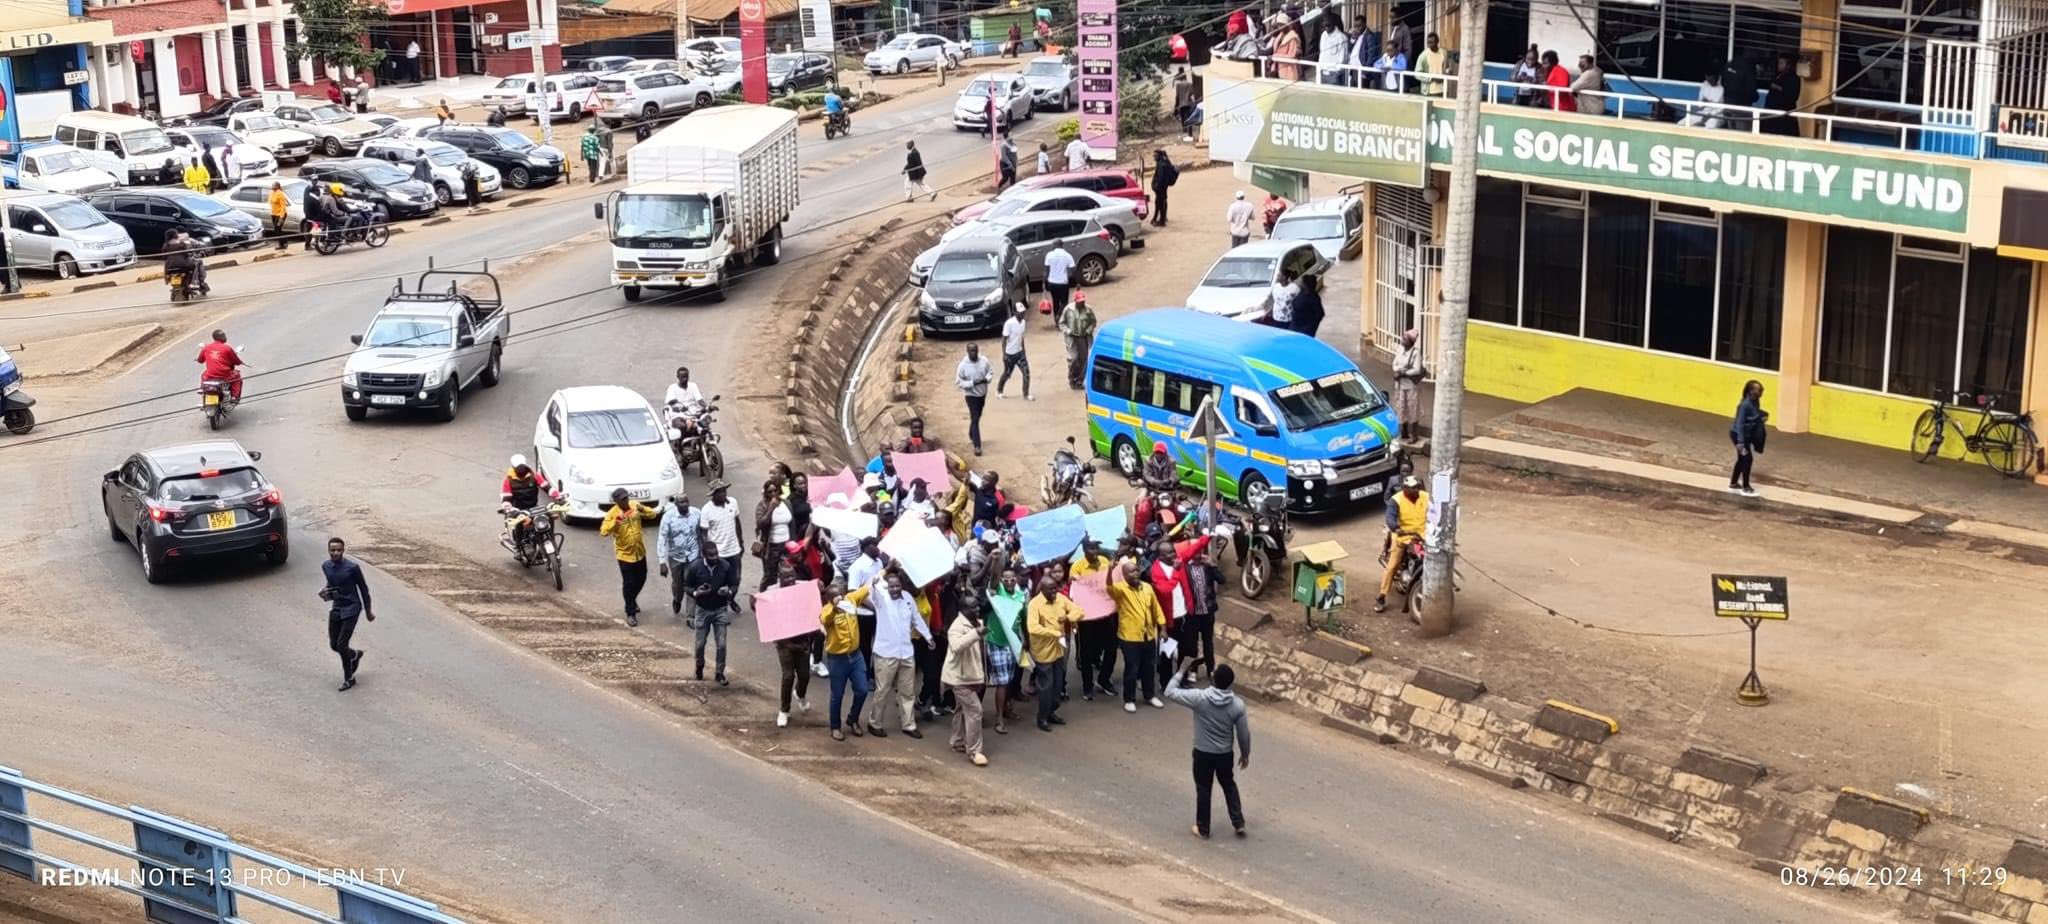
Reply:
x=390, y=381
x=663, y=264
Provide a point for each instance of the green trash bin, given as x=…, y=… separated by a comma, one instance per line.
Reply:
x=1318, y=584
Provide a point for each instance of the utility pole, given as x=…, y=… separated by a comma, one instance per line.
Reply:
x=1447, y=412
x=682, y=26
x=539, y=32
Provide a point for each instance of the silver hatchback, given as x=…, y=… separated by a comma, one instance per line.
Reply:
x=1035, y=234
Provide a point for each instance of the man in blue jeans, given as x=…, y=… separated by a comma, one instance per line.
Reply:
x=843, y=663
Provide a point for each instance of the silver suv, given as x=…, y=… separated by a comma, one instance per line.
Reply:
x=647, y=95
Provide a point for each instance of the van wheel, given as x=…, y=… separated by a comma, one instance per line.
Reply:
x=1252, y=490
x=442, y=193
x=1124, y=455
x=1093, y=269
x=67, y=268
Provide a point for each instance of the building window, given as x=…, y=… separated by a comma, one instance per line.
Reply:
x=1857, y=297
x=1920, y=318
x=1926, y=298
x=1618, y=230
x=1685, y=41
x=1684, y=256
x=1496, y=251
x=1752, y=290
x=1881, y=52
x=1994, y=351
x=1507, y=30
x=1554, y=248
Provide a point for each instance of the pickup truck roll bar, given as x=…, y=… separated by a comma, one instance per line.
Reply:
x=463, y=284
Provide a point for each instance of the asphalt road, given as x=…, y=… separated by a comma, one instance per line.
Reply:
x=514, y=787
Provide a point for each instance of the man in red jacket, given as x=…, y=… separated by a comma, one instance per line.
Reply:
x=217, y=363
x=1170, y=580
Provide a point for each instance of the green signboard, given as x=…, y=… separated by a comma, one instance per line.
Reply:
x=1291, y=185
x=1371, y=136
x=1822, y=180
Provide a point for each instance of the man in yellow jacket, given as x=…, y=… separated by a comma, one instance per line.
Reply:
x=1095, y=640
x=1047, y=619
x=196, y=177
x=622, y=523
x=1411, y=520
x=843, y=663
x=1138, y=621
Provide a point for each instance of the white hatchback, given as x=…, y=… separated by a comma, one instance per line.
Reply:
x=593, y=439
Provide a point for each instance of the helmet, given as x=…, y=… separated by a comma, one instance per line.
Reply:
x=518, y=460
x=1410, y=482
x=335, y=188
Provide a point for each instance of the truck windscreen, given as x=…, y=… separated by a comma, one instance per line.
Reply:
x=662, y=221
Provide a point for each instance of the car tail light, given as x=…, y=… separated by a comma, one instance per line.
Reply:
x=161, y=514
x=1103, y=234
x=273, y=497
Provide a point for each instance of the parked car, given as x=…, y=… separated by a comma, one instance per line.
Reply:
x=643, y=65
x=61, y=234
x=566, y=94
x=53, y=167
x=204, y=498
x=604, y=64
x=1116, y=184
x=1117, y=216
x=250, y=159
x=1335, y=225
x=972, y=284
x=151, y=214
x=411, y=128
x=592, y=439
x=720, y=74
x=444, y=159
x=133, y=149
x=1013, y=102
x=338, y=130
x=711, y=48
x=1240, y=283
x=220, y=111
x=788, y=73
x=378, y=182
x=1034, y=234
x=913, y=51
x=521, y=162
x=252, y=198
x=287, y=144
x=648, y=95
x=1055, y=84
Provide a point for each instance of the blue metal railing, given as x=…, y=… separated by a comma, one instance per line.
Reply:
x=184, y=873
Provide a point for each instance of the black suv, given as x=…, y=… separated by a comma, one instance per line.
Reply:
x=378, y=182
x=218, y=113
x=177, y=502
x=151, y=214
x=521, y=162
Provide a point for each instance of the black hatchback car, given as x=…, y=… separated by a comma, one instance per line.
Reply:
x=178, y=502
x=378, y=182
x=521, y=162
x=150, y=214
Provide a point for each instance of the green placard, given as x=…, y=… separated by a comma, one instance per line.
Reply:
x=1280, y=181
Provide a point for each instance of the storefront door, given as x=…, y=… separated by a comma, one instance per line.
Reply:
x=1400, y=281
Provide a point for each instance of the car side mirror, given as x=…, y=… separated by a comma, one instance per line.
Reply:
x=551, y=442
x=39, y=228
x=356, y=339
x=597, y=209
x=465, y=341
x=1267, y=430
x=110, y=476
x=255, y=455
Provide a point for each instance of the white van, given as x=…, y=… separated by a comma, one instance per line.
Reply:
x=567, y=95
x=60, y=234
x=131, y=148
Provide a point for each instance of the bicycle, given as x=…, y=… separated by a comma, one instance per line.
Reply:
x=2006, y=441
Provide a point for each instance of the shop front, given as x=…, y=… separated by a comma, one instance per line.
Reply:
x=43, y=66
x=460, y=37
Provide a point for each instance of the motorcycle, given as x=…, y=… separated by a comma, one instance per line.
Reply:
x=1067, y=479
x=691, y=438
x=1408, y=578
x=15, y=404
x=838, y=124
x=216, y=399
x=1261, y=540
x=184, y=285
x=363, y=225
x=532, y=537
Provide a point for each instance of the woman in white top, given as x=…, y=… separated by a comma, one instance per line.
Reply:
x=771, y=523
x=1710, y=92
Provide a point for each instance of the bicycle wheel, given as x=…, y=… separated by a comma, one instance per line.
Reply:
x=2008, y=447
x=1927, y=434
x=376, y=236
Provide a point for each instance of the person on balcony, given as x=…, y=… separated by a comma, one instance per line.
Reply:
x=1783, y=96
x=1588, y=86
x=1708, y=114
x=1559, y=80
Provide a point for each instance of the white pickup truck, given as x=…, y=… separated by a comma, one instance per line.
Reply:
x=427, y=345
x=53, y=167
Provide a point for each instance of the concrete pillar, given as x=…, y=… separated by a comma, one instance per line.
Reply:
x=279, y=60
x=252, y=42
x=209, y=50
x=230, y=73
x=2034, y=387
x=1799, y=325
x=131, y=82
x=1818, y=24
x=1368, y=264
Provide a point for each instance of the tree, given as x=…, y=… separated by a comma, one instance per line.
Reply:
x=337, y=32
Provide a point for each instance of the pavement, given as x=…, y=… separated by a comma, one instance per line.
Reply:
x=521, y=774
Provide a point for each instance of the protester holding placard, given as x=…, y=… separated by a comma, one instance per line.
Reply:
x=1050, y=616
x=1138, y=622
x=793, y=653
x=1095, y=641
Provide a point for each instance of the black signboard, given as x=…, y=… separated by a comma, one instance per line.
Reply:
x=1747, y=596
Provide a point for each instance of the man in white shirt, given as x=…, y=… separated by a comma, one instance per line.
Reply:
x=684, y=392
x=1013, y=352
x=1059, y=274
x=1239, y=216
x=721, y=531
x=972, y=377
x=1077, y=155
x=896, y=618
x=1331, y=50
x=412, y=60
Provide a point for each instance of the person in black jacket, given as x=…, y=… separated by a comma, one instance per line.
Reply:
x=913, y=174
x=1747, y=433
x=347, y=596
x=1307, y=312
x=1783, y=95
x=1164, y=175
x=315, y=208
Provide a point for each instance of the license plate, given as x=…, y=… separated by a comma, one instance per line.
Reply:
x=212, y=400
x=958, y=319
x=387, y=399
x=640, y=493
x=224, y=519
x=1367, y=491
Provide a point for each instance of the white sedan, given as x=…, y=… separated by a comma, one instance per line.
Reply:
x=251, y=197
x=593, y=439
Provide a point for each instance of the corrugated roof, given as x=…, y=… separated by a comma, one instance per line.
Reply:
x=718, y=10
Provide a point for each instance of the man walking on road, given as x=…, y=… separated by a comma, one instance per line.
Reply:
x=721, y=534
x=1219, y=719
x=1048, y=619
x=1059, y=275
x=1239, y=217
x=1013, y=352
x=347, y=596
x=412, y=61
x=622, y=523
x=1006, y=163
x=897, y=616
x=1077, y=155
x=913, y=174
x=711, y=588
x=972, y=377
x=675, y=545
x=1077, y=329
x=593, y=149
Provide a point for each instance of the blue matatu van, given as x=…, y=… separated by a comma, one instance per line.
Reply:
x=1301, y=415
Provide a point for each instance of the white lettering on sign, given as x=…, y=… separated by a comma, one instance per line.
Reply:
x=1348, y=137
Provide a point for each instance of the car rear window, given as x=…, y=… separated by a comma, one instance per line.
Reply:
x=216, y=486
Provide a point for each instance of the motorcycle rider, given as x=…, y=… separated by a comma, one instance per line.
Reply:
x=520, y=492
x=217, y=363
x=182, y=256
x=1160, y=477
x=835, y=108
x=1412, y=515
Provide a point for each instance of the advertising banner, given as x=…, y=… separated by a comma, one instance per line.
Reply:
x=814, y=18
x=1371, y=136
x=753, y=52
x=1095, y=33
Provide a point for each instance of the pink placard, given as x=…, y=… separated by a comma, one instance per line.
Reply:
x=844, y=484
x=930, y=466
x=787, y=612
x=1091, y=594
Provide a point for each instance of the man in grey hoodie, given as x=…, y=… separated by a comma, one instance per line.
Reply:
x=1219, y=719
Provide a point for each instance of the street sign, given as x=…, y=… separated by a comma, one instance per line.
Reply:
x=1209, y=422
x=74, y=78
x=530, y=38
x=1744, y=596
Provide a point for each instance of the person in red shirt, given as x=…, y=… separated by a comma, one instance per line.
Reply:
x=1171, y=582
x=217, y=363
x=1560, y=80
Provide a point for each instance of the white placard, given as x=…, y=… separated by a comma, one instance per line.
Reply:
x=921, y=551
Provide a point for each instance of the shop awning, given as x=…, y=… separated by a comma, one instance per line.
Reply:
x=718, y=10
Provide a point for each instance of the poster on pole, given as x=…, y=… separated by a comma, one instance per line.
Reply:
x=754, y=51
x=814, y=18
x=1749, y=596
x=1095, y=41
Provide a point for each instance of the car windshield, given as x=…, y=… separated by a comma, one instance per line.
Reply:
x=984, y=86
x=511, y=83
x=606, y=429
x=74, y=215
x=965, y=269
x=446, y=156
x=1240, y=273
x=60, y=161
x=216, y=486
x=204, y=206
x=901, y=41
x=410, y=331
x=329, y=113
x=782, y=64
x=1046, y=69
x=686, y=217
x=512, y=140
x=145, y=141
x=1309, y=228
x=383, y=174
x=263, y=123
x=1334, y=398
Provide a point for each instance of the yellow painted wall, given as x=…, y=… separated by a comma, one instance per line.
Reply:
x=1523, y=365
x=1881, y=420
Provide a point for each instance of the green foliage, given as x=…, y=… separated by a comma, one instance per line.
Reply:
x=1138, y=107
x=1067, y=130
x=334, y=31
